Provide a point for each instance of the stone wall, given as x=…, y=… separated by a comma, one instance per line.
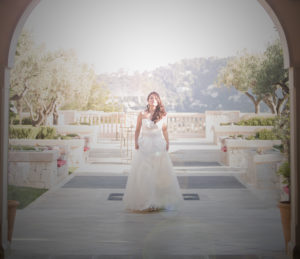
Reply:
x=35, y=169
x=73, y=149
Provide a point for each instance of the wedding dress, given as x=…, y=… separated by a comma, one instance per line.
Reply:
x=152, y=183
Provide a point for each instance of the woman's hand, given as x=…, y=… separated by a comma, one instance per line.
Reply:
x=136, y=146
x=167, y=146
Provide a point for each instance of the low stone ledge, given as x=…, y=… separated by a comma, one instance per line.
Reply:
x=246, y=144
x=72, y=148
x=47, y=142
x=33, y=156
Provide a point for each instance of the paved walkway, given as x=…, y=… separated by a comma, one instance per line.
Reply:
x=78, y=221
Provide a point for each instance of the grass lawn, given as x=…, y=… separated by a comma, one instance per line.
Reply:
x=25, y=195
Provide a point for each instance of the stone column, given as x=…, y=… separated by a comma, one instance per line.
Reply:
x=294, y=80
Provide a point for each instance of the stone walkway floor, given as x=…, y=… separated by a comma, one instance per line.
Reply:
x=80, y=222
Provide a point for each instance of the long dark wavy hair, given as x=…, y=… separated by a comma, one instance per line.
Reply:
x=159, y=110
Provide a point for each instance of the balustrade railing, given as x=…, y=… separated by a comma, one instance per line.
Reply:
x=121, y=126
x=109, y=122
x=186, y=125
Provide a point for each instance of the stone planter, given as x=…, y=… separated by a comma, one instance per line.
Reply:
x=11, y=214
x=235, y=154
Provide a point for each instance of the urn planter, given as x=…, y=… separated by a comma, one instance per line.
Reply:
x=285, y=213
x=11, y=214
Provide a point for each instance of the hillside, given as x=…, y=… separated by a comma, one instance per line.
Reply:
x=185, y=86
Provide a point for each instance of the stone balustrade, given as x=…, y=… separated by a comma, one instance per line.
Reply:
x=186, y=125
x=35, y=169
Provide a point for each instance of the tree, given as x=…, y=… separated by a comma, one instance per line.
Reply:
x=273, y=79
x=260, y=77
x=44, y=81
x=63, y=80
x=242, y=72
x=27, y=66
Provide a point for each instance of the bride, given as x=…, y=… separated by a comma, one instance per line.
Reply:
x=152, y=184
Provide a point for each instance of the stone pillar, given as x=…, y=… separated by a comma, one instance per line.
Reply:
x=294, y=79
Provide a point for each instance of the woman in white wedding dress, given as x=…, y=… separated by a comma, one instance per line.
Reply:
x=152, y=184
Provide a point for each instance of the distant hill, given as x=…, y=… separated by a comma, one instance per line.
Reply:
x=185, y=86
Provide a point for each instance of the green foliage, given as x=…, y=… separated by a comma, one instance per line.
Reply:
x=21, y=147
x=68, y=136
x=279, y=147
x=284, y=170
x=46, y=133
x=32, y=132
x=257, y=121
x=261, y=77
x=282, y=129
x=27, y=121
x=44, y=80
x=23, y=132
x=25, y=195
x=73, y=135
x=265, y=134
x=72, y=169
x=15, y=122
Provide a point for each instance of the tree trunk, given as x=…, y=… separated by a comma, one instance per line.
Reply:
x=270, y=103
x=19, y=110
x=280, y=102
x=43, y=113
x=257, y=107
x=255, y=102
x=39, y=120
x=55, y=116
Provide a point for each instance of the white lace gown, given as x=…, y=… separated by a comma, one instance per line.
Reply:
x=152, y=182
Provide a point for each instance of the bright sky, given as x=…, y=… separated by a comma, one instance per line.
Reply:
x=145, y=34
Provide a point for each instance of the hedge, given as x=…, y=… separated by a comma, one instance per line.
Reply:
x=32, y=132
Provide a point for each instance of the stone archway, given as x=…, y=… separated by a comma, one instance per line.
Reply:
x=285, y=17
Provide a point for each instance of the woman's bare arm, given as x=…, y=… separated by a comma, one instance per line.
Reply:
x=137, y=130
x=165, y=133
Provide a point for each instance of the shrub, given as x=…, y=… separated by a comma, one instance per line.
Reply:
x=23, y=132
x=265, y=134
x=73, y=135
x=32, y=132
x=279, y=147
x=46, y=133
x=284, y=171
x=16, y=122
x=257, y=121
x=21, y=147
x=27, y=121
